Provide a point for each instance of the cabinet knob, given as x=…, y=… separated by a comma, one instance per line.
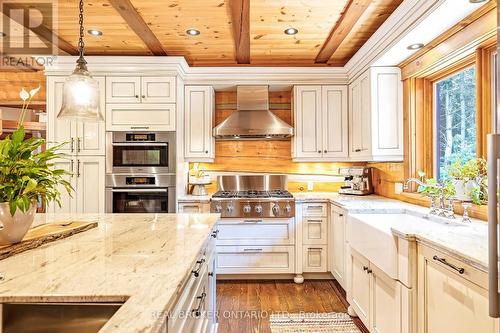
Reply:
x=365, y=268
x=136, y=96
x=324, y=151
x=206, y=151
x=143, y=96
x=357, y=150
x=319, y=151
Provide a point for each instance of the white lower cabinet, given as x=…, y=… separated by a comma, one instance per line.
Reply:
x=193, y=207
x=87, y=177
x=449, y=301
x=382, y=303
x=338, y=245
x=314, y=230
x=267, y=231
x=194, y=310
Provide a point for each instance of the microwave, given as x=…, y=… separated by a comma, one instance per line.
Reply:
x=140, y=152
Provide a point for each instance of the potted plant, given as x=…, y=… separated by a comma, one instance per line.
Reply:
x=27, y=176
x=469, y=180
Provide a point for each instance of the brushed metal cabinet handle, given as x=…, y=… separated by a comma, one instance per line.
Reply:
x=78, y=141
x=72, y=145
x=78, y=168
x=460, y=270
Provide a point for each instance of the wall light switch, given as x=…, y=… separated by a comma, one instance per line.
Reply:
x=310, y=186
x=398, y=188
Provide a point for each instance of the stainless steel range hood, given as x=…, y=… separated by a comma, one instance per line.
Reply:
x=252, y=120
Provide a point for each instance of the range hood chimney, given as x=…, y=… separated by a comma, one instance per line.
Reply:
x=252, y=120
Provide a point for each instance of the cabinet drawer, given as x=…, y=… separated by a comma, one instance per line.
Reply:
x=314, y=230
x=256, y=232
x=314, y=258
x=126, y=117
x=436, y=257
x=193, y=208
x=314, y=209
x=255, y=259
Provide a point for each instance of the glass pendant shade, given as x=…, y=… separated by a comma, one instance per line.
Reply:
x=80, y=99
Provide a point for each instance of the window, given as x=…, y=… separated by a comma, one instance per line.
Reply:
x=455, y=112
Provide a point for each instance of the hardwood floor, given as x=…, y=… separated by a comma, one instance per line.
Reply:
x=245, y=306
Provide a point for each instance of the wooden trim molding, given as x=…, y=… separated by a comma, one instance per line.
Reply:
x=138, y=25
x=240, y=18
x=343, y=26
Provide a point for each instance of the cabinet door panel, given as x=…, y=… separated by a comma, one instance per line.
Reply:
x=334, y=121
x=308, y=122
x=365, y=116
x=123, y=89
x=158, y=90
x=126, y=117
x=360, y=288
x=59, y=131
x=338, y=246
x=91, y=136
x=450, y=303
x=90, y=184
x=199, y=141
x=386, y=304
x=68, y=202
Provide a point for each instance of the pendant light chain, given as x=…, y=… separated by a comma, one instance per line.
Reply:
x=81, y=44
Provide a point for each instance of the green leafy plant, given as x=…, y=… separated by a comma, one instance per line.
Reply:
x=28, y=174
x=431, y=187
x=474, y=170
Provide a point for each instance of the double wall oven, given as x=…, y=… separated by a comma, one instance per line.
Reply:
x=140, y=172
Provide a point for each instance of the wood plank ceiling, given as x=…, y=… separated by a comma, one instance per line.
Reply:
x=231, y=31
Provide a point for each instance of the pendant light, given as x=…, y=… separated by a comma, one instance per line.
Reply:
x=80, y=99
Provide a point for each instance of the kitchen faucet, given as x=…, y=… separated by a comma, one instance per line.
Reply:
x=442, y=210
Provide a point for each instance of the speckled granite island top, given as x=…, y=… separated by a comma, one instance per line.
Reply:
x=139, y=259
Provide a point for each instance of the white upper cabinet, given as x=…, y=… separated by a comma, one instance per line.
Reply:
x=134, y=89
x=199, y=143
x=146, y=117
x=320, y=114
x=376, y=116
x=82, y=138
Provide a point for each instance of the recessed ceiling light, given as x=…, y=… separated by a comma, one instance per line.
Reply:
x=94, y=32
x=416, y=46
x=477, y=1
x=291, y=31
x=192, y=32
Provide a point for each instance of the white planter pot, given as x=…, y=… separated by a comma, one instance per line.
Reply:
x=14, y=228
x=463, y=189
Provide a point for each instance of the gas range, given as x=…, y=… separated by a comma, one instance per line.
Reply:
x=252, y=196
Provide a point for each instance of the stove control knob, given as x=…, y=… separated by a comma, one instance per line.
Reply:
x=276, y=209
x=230, y=208
x=247, y=209
x=288, y=208
x=218, y=208
x=258, y=209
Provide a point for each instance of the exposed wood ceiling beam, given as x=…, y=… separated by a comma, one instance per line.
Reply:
x=240, y=18
x=140, y=27
x=350, y=16
x=46, y=35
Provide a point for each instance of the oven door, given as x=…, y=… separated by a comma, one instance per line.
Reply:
x=140, y=200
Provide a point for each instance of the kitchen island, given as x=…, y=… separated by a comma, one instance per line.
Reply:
x=141, y=260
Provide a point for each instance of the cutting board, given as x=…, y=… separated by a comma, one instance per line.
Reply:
x=43, y=234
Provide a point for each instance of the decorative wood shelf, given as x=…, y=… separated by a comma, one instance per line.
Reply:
x=28, y=125
x=16, y=104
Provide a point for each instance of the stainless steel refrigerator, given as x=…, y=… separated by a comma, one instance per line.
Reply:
x=493, y=191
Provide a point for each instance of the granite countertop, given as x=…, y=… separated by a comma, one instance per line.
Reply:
x=139, y=259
